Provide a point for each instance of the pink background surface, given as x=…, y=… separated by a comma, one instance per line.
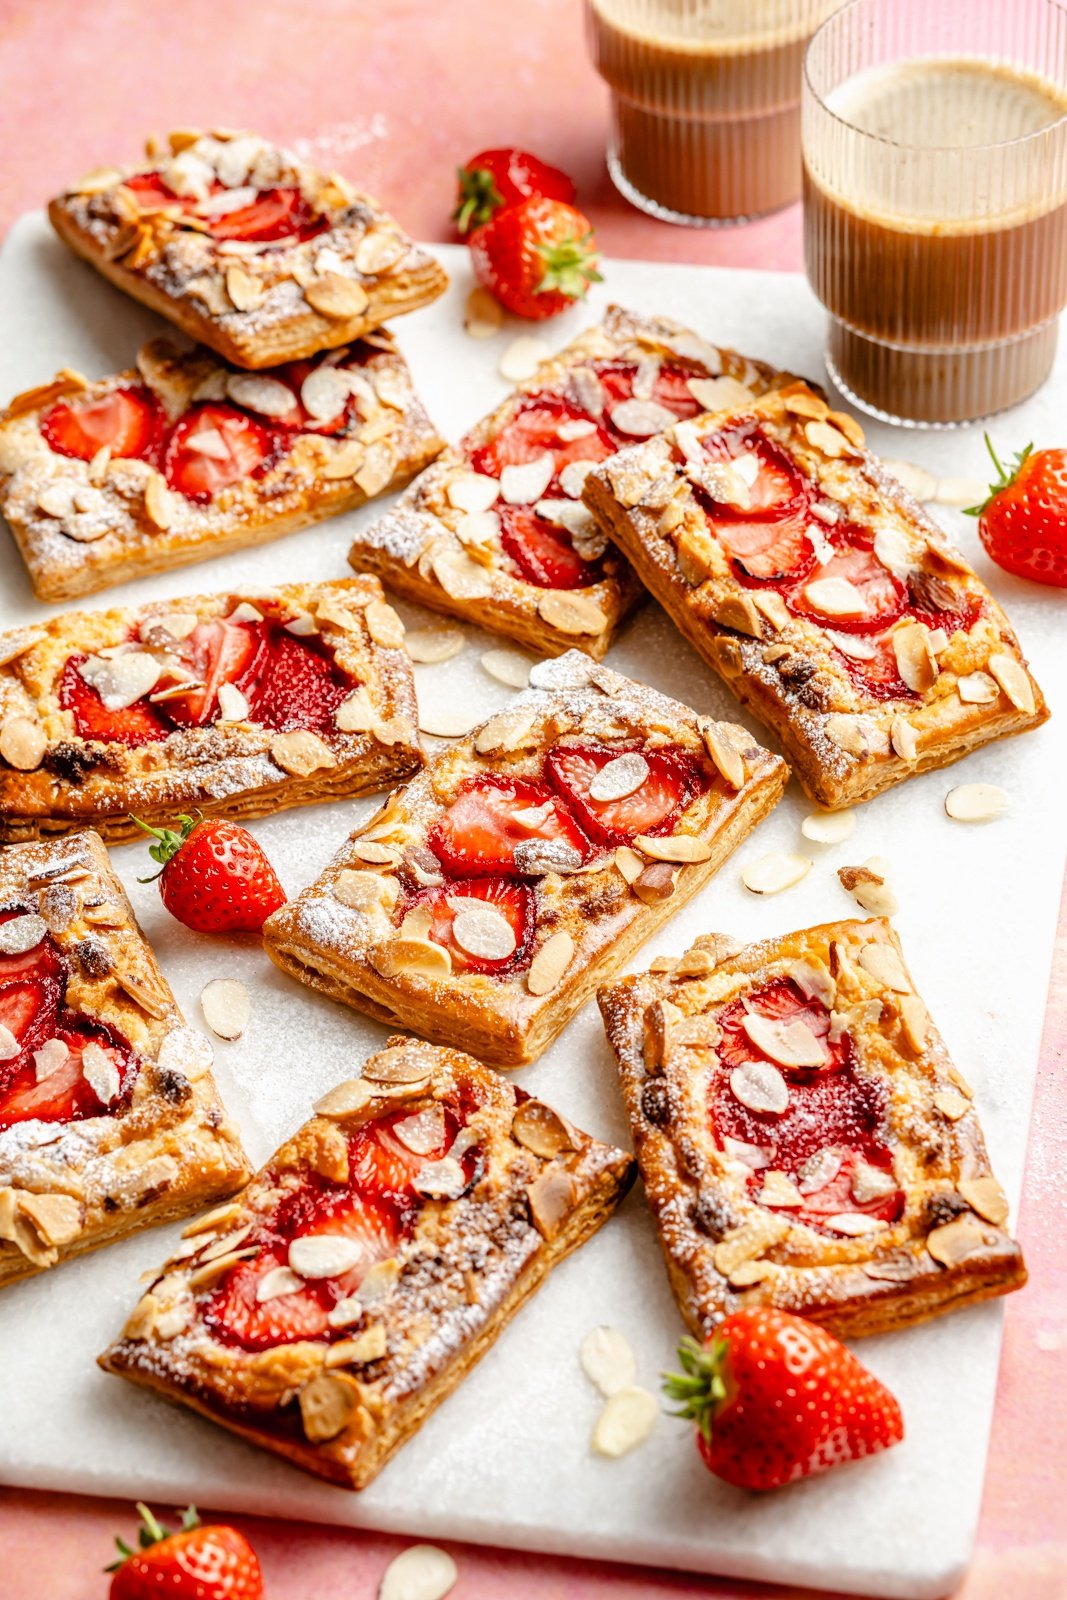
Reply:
x=395, y=95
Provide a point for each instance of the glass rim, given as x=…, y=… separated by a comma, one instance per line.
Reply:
x=877, y=140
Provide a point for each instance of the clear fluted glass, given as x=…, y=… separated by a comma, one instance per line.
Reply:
x=935, y=201
x=705, y=102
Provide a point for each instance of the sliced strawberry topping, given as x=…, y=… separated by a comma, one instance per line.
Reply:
x=380, y=1163
x=674, y=780
x=493, y=818
x=773, y=485
x=293, y=683
x=836, y=1196
x=670, y=389
x=236, y=1316
x=152, y=194
x=215, y=653
x=514, y=901
x=884, y=595
x=534, y=430
x=133, y=725
x=831, y=1108
x=759, y=513
x=544, y=553
x=129, y=421
x=212, y=447
x=879, y=676
x=293, y=374
x=274, y=214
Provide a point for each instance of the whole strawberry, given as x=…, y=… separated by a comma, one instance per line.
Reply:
x=776, y=1399
x=537, y=258
x=1023, y=524
x=197, y=1563
x=494, y=179
x=214, y=876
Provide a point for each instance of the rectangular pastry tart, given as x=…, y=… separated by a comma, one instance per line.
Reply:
x=245, y=247
x=804, y=1139
x=837, y=611
x=495, y=531
x=182, y=458
x=238, y=704
x=109, y=1117
x=487, y=899
x=327, y=1310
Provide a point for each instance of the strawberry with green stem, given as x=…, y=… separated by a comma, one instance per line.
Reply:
x=196, y=1562
x=1023, y=523
x=214, y=876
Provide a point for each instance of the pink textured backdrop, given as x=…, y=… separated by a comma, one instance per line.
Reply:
x=395, y=95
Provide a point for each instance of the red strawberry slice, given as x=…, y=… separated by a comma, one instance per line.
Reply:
x=671, y=390
x=515, y=902
x=381, y=1164
x=66, y=1095
x=674, y=780
x=533, y=431
x=293, y=374
x=854, y=560
x=133, y=725
x=767, y=537
x=781, y=1001
x=274, y=214
x=777, y=490
x=213, y=446
x=878, y=677
x=491, y=817
x=43, y=961
x=836, y=1197
x=152, y=194
x=776, y=550
x=129, y=421
x=235, y=1316
x=215, y=653
x=544, y=553
x=292, y=683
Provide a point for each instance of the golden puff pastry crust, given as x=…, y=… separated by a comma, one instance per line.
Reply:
x=109, y=1117
x=190, y=238
x=83, y=525
x=337, y=1365
x=803, y=1136
x=882, y=655
x=246, y=760
x=487, y=899
x=449, y=542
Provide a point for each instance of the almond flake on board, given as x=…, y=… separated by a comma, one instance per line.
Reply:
x=421, y=1572
x=976, y=802
x=828, y=827
x=522, y=358
x=868, y=887
x=430, y=646
x=774, y=872
x=226, y=1005
x=482, y=315
x=608, y=1360
x=507, y=667
x=625, y=1422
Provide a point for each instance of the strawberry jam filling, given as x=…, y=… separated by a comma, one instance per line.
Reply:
x=544, y=553
x=674, y=779
x=833, y=1122
x=496, y=824
x=55, y=1062
x=287, y=682
x=455, y=923
x=128, y=421
x=367, y=1218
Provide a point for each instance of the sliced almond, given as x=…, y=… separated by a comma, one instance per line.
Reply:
x=483, y=316
x=423, y=1132
x=345, y=459
x=123, y=679
x=522, y=358
x=749, y=1242
x=640, y=419
x=871, y=1183
x=919, y=483
x=778, y=1190
x=301, y=752
x=440, y=1180
x=718, y=394
x=374, y=852
x=849, y=733
x=1014, y=680
x=355, y=714
x=571, y=612
x=521, y=485
x=884, y=966
x=379, y=464
x=507, y=731
x=619, y=777
x=814, y=980
x=419, y=958
x=507, y=667
x=370, y=1345
x=482, y=931
x=977, y=688
x=680, y=847
x=347, y=1099
x=915, y=659
x=976, y=802
x=828, y=827
x=760, y=1087
x=957, y=1240
x=985, y=1196
x=608, y=1360
x=422, y=1572
x=628, y=1416
x=186, y=1051
x=365, y=891
x=232, y=704
x=550, y=963
x=869, y=889
x=445, y=722
x=327, y=1405
x=433, y=645
x=829, y=440
x=219, y=1217
x=100, y=1072
x=205, y=1276
x=774, y=872
x=459, y=576
x=542, y=1130
x=836, y=597
x=384, y=625
x=160, y=504
x=247, y=292
x=819, y=1170
x=255, y=391
x=335, y=296
x=378, y=250
x=226, y=1005
x=472, y=491
x=903, y=738
x=951, y=1104
x=727, y=759
x=738, y=612
x=629, y=863
x=23, y=743
x=57, y=1218
x=324, y=1255
x=552, y=1196
x=790, y=1044
x=853, y=1224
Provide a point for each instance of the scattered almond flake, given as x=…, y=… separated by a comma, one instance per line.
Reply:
x=619, y=778
x=1014, y=680
x=433, y=645
x=422, y=1572
x=823, y=436
x=324, y=393
x=379, y=464
x=576, y=518
x=120, y=681
x=728, y=761
x=100, y=1072
x=919, y=483
x=853, y=1223
x=542, y=1130
x=268, y=397
x=625, y=1422
x=868, y=887
x=828, y=827
x=791, y=1044
x=335, y=296
x=883, y=964
x=749, y=1155
x=960, y=492
x=892, y=549
x=915, y=659
x=571, y=612
x=938, y=641
x=423, y=1132
x=370, y=1345
x=819, y=1170
x=375, y=852
x=675, y=847
x=522, y=358
x=459, y=576
x=478, y=531
x=21, y=934
x=718, y=394
x=640, y=419
x=522, y=485
x=779, y=1190
x=854, y=645
x=976, y=802
x=415, y=957
x=507, y=667
x=903, y=738
x=302, y=626
x=301, y=753
x=345, y=1312
x=608, y=1360
x=444, y=721
x=472, y=491
x=775, y=871
x=245, y=611
x=245, y=290
x=482, y=931
x=226, y=1006
x=871, y=1183
x=550, y=963
x=760, y=1087
x=233, y=706
x=483, y=316
x=440, y=1180
x=10, y=1047
x=575, y=428
x=186, y=1051
x=977, y=688
x=836, y=597
x=52, y=1055
x=23, y=743
x=346, y=458
x=985, y=1196
x=573, y=475
x=915, y=1021
x=378, y=251
x=277, y=1282
x=384, y=625
x=325, y=1255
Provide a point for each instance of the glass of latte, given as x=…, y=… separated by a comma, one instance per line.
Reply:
x=705, y=102
x=935, y=201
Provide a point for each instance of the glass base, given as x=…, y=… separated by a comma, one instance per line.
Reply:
x=937, y=388
x=653, y=208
